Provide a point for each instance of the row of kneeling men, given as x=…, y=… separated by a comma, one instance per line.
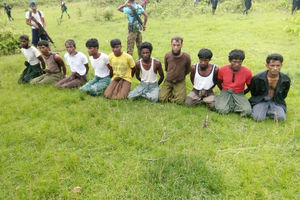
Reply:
x=113, y=76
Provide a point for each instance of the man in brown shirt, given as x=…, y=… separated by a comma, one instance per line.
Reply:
x=177, y=66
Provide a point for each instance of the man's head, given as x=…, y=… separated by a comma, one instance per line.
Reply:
x=92, y=45
x=236, y=58
x=204, y=56
x=116, y=47
x=176, y=43
x=32, y=5
x=70, y=46
x=24, y=40
x=274, y=63
x=44, y=46
x=146, y=50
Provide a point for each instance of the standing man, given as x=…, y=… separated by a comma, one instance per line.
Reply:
x=204, y=78
x=295, y=6
x=214, y=4
x=39, y=16
x=269, y=89
x=55, y=64
x=149, y=67
x=8, y=11
x=231, y=81
x=34, y=58
x=177, y=66
x=123, y=68
x=248, y=4
x=103, y=71
x=135, y=25
x=63, y=9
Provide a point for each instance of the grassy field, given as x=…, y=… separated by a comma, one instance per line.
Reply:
x=52, y=140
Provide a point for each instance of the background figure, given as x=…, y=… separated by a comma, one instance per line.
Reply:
x=248, y=4
x=8, y=11
x=214, y=4
x=39, y=16
x=295, y=6
x=63, y=9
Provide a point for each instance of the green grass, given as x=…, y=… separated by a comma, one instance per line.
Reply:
x=52, y=140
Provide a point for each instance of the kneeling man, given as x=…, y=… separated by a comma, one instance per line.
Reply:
x=148, y=87
x=269, y=89
x=123, y=67
x=54, y=63
x=231, y=81
x=177, y=66
x=204, y=78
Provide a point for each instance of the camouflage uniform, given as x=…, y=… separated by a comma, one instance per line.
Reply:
x=131, y=39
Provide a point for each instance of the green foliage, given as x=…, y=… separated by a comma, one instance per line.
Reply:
x=293, y=26
x=108, y=14
x=232, y=6
x=9, y=42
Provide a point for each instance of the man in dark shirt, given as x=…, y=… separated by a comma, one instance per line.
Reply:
x=268, y=91
x=177, y=66
x=8, y=11
x=295, y=6
x=248, y=5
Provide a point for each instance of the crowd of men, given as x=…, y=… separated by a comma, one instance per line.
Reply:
x=114, y=72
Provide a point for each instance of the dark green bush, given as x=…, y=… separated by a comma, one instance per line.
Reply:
x=9, y=42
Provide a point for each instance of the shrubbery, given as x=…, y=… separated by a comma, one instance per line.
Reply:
x=9, y=42
x=294, y=27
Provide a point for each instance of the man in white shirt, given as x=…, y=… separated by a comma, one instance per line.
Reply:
x=79, y=66
x=103, y=72
x=39, y=16
x=34, y=58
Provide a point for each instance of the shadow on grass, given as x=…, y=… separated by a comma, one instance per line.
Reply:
x=183, y=177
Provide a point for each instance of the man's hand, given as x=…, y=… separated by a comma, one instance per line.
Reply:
x=117, y=79
x=144, y=27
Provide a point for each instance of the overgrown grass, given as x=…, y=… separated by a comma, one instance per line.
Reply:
x=53, y=140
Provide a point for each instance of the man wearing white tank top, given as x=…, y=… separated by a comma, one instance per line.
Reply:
x=148, y=87
x=204, y=78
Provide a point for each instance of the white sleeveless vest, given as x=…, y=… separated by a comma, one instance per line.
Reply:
x=204, y=82
x=148, y=76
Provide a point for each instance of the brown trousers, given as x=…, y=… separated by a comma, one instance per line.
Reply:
x=74, y=80
x=117, y=89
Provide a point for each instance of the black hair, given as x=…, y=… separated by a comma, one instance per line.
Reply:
x=24, y=37
x=43, y=43
x=146, y=45
x=274, y=56
x=115, y=42
x=236, y=54
x=177, y=39
x=71, y=42
x=205, y=54
x=93, y=42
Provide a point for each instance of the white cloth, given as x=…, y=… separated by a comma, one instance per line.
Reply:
x=100, y=65
x=31, y=55
x=148, y=76
x=36, y=16
x=204, y=82
x=76, y=62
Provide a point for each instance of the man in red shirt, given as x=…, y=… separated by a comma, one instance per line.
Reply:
x=231, y=81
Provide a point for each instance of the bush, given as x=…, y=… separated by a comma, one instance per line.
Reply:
x=294, y=27
x=9, y=42
x=108, y=14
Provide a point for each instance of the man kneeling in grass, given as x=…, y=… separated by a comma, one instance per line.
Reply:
x=78, y=63
x=102, y=69
x=34, y=58
x=54, y=63
x=269, y=89
x=204, y=78
x=231, y=81
x=148, y=87
x=123, y=68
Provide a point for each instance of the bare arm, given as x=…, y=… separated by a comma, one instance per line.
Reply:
x=111, y=72
x=166, y=64
x=216, y=75
x=219, y=83
x=87, y=68
x=145, y=20
x=28, y=22
x=137, y=70
x=192, y=75
x=43, y=22
x=160, y=72
x=42, y=62
x=60, y=61
x=120, y=8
